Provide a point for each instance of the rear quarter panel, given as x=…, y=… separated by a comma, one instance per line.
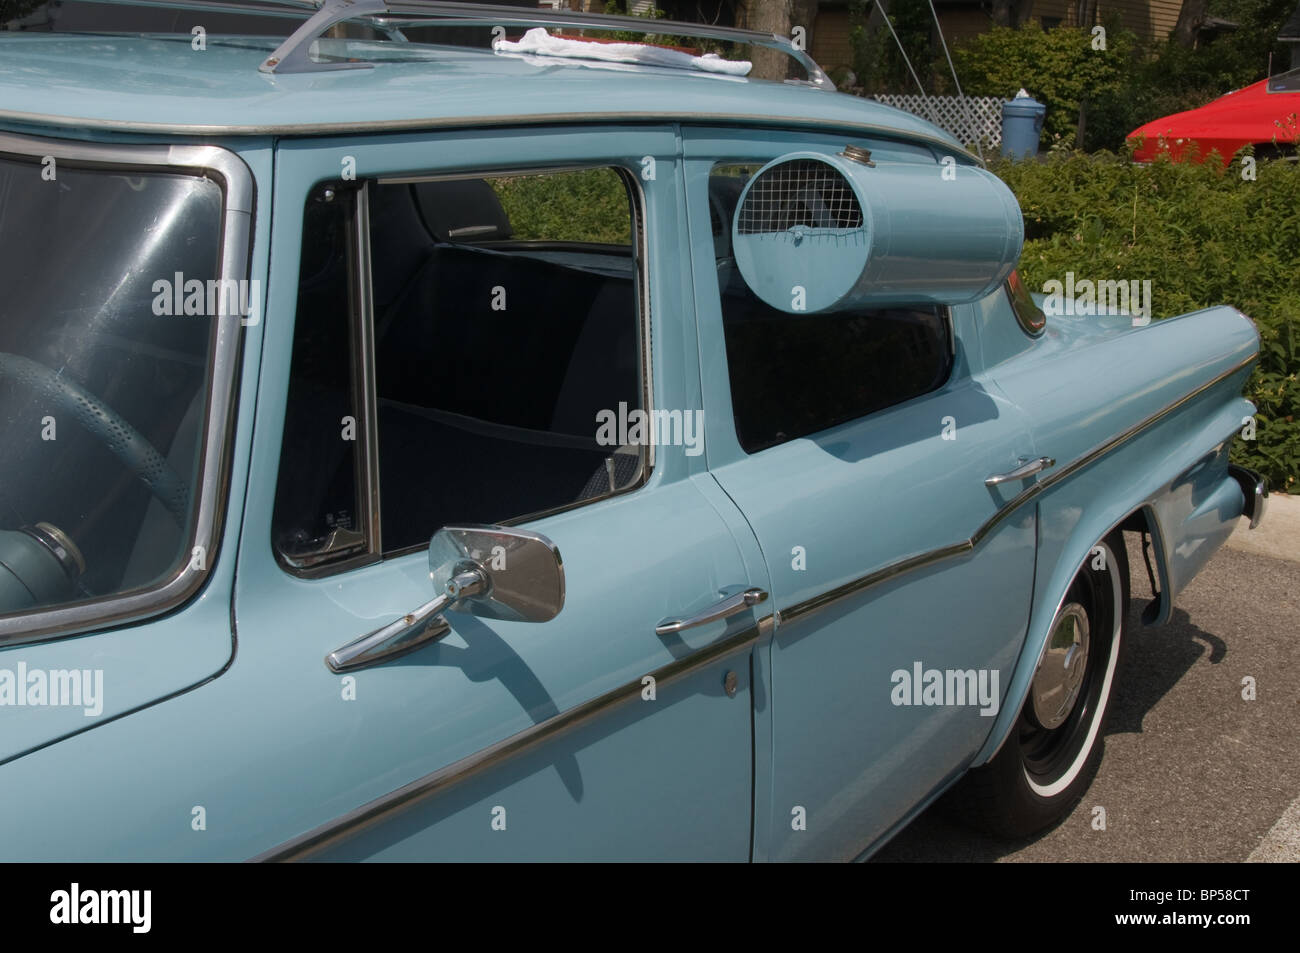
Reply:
x=1138, y=419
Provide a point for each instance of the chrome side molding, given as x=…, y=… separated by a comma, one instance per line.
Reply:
x=387, y=806
x=1030, y=492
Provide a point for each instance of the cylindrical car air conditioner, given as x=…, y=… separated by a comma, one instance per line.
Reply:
x=815, y=232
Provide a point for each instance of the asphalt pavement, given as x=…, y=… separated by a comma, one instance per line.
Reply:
x=1193, y=771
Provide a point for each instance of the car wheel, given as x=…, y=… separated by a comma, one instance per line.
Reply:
x=1052, y=752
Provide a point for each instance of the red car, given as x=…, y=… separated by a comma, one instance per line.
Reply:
x=1263, y=114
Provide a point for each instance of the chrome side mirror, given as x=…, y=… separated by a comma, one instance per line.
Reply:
x=498, y=573
x=489, y=571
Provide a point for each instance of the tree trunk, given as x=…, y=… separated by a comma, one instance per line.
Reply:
x=768, y=16
x=1191, y=16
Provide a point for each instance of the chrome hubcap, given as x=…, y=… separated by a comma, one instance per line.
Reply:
x=1060, y=671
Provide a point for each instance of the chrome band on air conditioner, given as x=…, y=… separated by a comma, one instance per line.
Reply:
x=236, y=182
x=385, y=807
x=922, y=560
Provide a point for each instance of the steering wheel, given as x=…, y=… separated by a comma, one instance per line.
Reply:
x=121, y=439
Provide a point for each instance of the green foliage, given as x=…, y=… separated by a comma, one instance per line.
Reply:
x=1243, y=53
x=16, y=9
x=1131, y=82
x=877, y=62
x=1203, y=237
x=586, y=206
x=1169, y=78
x=626, y=36
x=1060, y=68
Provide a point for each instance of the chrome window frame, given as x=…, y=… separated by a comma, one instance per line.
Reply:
x=235, y=180
x=363, y=359
x=360, y=324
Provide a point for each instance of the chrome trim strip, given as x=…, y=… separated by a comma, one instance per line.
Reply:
x=389, y=805
x=367, y=405
x=1103, y=448
x=478, y=122
x=482, y=172
x=921, y=560
x=641, y=250
x=236, y=180
x=809, y=606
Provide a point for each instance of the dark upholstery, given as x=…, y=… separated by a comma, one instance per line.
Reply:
x=484, y=415
x=563, y=349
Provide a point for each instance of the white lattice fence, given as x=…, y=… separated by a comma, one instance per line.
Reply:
x=969, y=119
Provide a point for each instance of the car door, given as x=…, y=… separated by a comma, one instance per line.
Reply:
x=858, y=452
x=461, y=374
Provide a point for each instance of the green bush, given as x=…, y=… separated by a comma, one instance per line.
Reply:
x=620, y=7
x=1129, y=83
x=590, y=205
x=1204, y=237
x=1168, y=78
x=1059, y=67
x=878, y=65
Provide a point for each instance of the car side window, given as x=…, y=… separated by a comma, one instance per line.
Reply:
x=505, y=324
x=797, y=374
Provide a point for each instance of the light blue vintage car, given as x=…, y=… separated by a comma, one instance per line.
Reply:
x=413, y=451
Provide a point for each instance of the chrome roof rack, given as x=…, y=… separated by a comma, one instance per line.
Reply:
x=390, y=16
x=291, y=56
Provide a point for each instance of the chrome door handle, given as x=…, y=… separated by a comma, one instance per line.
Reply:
x=719, y=610
x=1026, y=469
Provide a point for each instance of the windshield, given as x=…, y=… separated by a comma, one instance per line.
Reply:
x=106, y=330
x=1288, y=82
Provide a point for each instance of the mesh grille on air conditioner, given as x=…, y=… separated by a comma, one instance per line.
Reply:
x=800, y=192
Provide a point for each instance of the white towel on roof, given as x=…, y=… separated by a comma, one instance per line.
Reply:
x=538, y=41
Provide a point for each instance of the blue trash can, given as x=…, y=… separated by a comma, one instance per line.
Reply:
x=1022, y=123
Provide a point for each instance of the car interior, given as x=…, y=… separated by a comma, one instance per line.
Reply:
x=493, y=357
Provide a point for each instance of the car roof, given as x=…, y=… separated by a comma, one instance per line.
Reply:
x=159, y=84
